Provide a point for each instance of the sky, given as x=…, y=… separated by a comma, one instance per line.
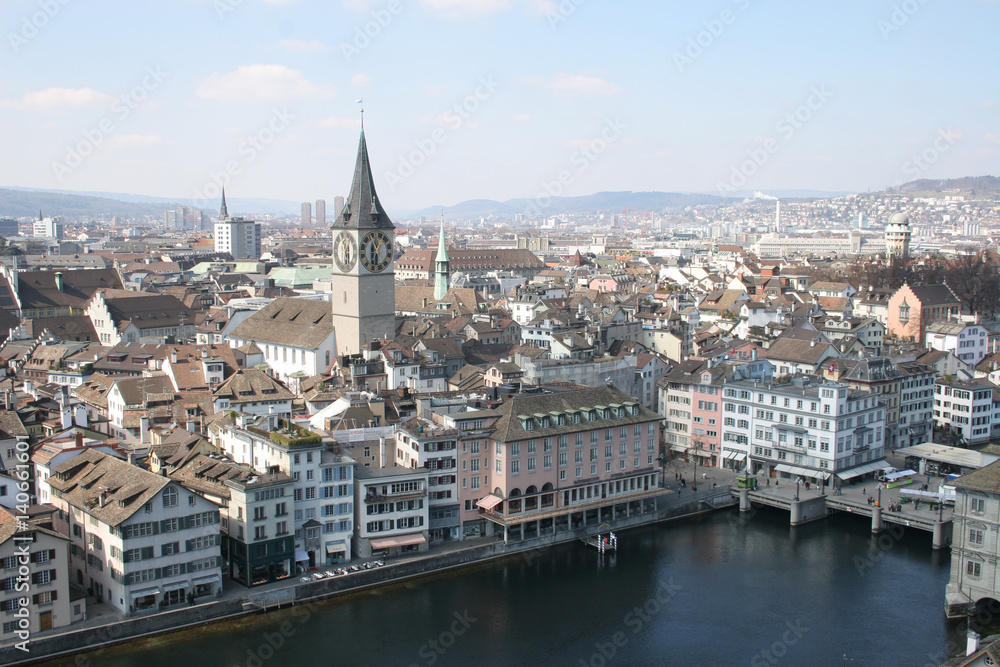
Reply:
x=494, y=99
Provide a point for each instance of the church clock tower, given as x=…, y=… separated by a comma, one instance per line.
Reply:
x=364, y=288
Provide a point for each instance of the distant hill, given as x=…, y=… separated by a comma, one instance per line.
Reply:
x=979, y=187
x=25, y=202
x=610, y=201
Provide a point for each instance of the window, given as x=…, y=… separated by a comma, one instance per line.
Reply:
x=978, y=504
x=170, y=497
x=515, y=467
x=975, y=536
x=973, y=569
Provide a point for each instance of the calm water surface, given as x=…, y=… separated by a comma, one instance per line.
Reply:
x=714, y=591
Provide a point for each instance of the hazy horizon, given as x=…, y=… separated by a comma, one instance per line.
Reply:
x=494, y=99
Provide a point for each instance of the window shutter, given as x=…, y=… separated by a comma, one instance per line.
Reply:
x=54, y=595
x=34, y=598
x=52, y=554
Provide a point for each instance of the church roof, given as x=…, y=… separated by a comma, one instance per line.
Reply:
x=362, y=210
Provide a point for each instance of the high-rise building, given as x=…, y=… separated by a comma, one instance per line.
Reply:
x=8, y=227
x=320, y=212
x=48, y=228
x=239, y=237
x=897, y=236
x=187, y=217
x=306, y=214
x=338, y=206
x=363, y=283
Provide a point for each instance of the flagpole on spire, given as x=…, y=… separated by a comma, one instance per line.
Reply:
x=362, y=103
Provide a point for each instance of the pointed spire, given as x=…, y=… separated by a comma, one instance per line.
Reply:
x=442, y=255
x=223, y=211
x=40, y=214
x=442, y=275
x=363, y=210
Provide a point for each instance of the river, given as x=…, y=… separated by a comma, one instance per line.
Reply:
x=717, y=590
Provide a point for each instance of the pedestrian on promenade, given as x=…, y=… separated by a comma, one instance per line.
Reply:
x=769, y=481
x=678, y=491
x=776, y=482
x=863, y=491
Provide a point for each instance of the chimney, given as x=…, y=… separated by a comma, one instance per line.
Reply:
x=59, y=281
x=66, y=414
x=79, y=439
x=144, y=429
x=204, y=353
x=753, y=354
x=381, y=452
x=173, y=355
x=103, y=498
x=80, y=415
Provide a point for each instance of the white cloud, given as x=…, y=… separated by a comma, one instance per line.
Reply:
x=55, y=100
x=261, y=82
x=992, y=138
x=522, y=118
x=360, y=80
x=301, y=46
x=576, y=85
x=341, y=123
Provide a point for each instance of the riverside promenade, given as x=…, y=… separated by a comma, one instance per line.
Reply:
x=106, y=625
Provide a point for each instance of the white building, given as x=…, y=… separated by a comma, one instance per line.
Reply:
x=323, y=510
x=139, y=540
x=34, y=580
x=238, y=237
x=975, y=542
x=804, y=429
x=48, y=228
x=967, y=341
x=967, y=409
x=392, y=513
x=295, y=335
x=423, y=444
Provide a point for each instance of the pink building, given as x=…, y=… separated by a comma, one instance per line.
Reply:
x=567, y=460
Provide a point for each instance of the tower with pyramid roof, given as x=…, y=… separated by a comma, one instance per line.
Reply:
x=364, y=294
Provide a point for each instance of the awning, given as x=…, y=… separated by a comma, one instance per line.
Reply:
x=335, y=548
x=801, y=472
x=301, y=556
x=701, y=452
x=401, y=541
x=730, y=454
x=489, y=502
x=740, y=457
x=175, y=587
x=862, y=469
x=143, y=592
x=211, y=579
x=678, y=448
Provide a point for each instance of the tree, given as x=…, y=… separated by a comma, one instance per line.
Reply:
x=7, y=249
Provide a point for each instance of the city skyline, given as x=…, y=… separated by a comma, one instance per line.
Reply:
x=493, y=99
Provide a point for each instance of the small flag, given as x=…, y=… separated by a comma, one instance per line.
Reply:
x=361, y=101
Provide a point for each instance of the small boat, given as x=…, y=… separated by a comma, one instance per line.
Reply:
x=602, y=543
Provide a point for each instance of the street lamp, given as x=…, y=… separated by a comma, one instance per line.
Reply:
x=797, y=480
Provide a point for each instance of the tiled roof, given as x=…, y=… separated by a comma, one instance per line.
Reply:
x=126, y=488
x=299, y=323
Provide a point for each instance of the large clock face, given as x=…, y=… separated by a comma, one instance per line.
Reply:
x=376, y=251
x=345, y=252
